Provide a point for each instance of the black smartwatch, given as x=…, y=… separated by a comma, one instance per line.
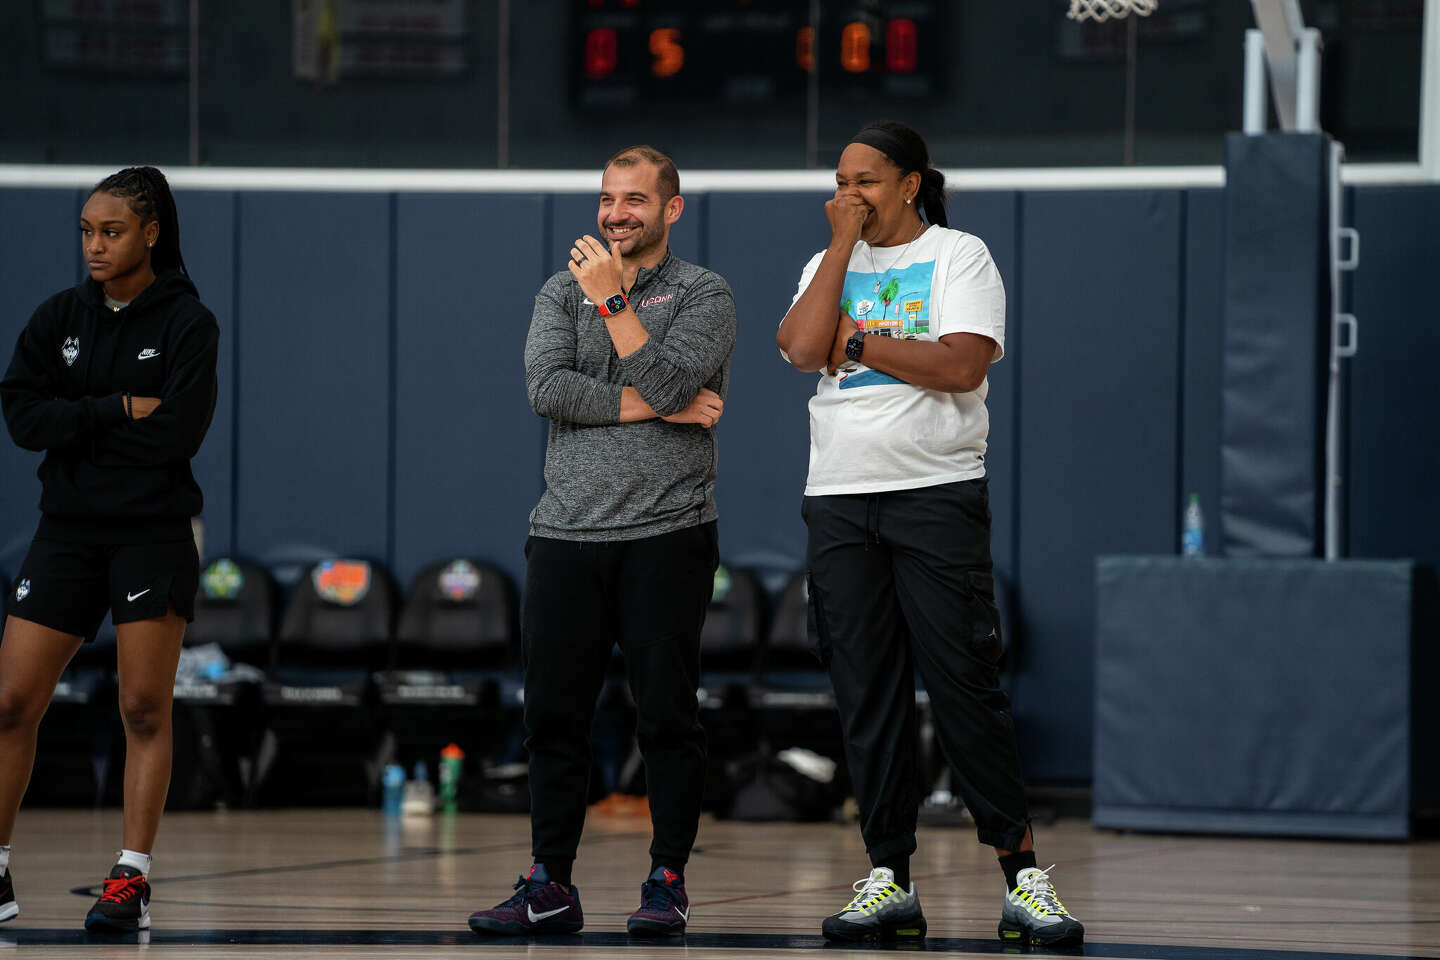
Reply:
x=855, y=345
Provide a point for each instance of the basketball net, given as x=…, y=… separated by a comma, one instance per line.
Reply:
x=1106, y=9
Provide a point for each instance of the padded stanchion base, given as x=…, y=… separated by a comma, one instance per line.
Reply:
x=1259, y=696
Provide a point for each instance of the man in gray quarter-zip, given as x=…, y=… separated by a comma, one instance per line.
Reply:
x=628, y=357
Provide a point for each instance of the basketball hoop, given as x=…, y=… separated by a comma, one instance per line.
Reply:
x=1102, y=10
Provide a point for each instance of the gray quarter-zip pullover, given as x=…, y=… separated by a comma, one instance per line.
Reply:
x=606, y=480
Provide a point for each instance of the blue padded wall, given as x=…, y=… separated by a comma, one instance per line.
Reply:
x=207, y=234
x=992, y=216
x=1098, y=450
x=39, y=256
x=339, y=312
x=765, y=432
x=1203, y=318
x=467, y=451
x=572, y=215
x=314, y=368
x=1393, y=394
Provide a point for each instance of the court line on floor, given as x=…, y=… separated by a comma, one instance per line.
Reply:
x=409, y=854
x=754, y=942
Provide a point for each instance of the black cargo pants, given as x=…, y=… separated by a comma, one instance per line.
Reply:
x=901, y=581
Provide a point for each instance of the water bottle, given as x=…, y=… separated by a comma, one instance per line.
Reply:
x=419, y=794
x=452, y=761
x=1192, y=530
x=393, y=783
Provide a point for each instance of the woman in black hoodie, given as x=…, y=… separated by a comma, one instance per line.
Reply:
x=114, y=380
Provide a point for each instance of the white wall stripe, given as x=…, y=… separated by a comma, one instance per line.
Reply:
x=699, y=181
x=1430, y=91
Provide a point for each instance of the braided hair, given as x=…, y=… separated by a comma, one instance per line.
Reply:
x=906, y=149
x=148, y=194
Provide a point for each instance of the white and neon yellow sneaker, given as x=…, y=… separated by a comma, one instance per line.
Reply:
x=1033, y=912
x=879, y=911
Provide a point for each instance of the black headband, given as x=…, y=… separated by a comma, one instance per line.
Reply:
x=886, y=142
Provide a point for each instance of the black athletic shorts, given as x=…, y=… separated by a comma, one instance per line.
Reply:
x=69, y=586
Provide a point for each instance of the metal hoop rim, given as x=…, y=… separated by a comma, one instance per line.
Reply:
x=1102, y=10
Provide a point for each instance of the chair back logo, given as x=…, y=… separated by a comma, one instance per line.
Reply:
x=342, y=582
x=459, y=581
x=222, y=580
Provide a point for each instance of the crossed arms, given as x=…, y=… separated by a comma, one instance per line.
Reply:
x=666, y=377
x=163, y=430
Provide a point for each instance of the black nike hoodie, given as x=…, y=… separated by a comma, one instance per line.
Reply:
x=105, y=477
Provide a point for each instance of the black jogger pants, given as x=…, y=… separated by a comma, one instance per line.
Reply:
x=581, y=598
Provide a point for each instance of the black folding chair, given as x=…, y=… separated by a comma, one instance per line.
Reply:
x=323, y=741
x=217, y=713
x=456, y=676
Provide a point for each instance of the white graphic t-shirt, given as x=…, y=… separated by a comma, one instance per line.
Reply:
x=871, y=432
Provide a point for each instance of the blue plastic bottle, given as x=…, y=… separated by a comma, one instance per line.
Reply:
x=393, y=784
x=1192, y=529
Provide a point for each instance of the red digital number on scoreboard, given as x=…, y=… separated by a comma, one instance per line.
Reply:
x=601, y=53
x=902, y=46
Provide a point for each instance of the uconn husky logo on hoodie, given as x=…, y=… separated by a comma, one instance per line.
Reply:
x=70, y=350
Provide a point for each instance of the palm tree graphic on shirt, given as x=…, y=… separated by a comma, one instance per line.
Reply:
x=888, y=293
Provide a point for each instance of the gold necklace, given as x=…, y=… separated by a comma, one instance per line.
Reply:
x=879, y=280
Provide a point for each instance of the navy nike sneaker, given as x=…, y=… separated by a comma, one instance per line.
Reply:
x=664, y=906
x=537, y=907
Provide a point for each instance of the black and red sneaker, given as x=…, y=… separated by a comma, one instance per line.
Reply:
x=664, y=907
x=9, y=909
x=125, y=904
x=537, y=907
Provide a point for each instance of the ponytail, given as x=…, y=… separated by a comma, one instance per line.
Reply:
x=148, y=194
x=932, y=196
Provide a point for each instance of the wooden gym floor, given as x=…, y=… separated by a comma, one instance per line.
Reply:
x=353, y=883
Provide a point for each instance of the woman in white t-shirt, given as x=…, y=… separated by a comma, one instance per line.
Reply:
x=902, y=317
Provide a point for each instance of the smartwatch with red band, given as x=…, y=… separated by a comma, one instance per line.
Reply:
x=613, y=305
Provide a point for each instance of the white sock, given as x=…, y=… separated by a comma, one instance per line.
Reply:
x=4, y=858
x=134, y=860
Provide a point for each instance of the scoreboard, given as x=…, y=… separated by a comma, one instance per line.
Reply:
x=753, y=51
